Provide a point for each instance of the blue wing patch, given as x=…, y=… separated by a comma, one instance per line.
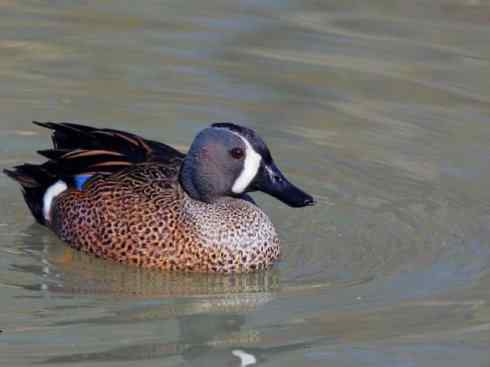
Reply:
x=80, y=180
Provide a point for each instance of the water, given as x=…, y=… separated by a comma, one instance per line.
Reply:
x=378, y=108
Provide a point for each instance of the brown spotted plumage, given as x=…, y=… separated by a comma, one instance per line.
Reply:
x=130, y=200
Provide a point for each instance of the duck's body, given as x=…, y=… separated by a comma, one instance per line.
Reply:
x=143, y=216
x=137, y=201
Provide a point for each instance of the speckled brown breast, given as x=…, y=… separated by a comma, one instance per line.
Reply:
x=142, y=216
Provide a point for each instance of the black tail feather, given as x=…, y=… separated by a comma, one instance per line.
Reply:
x=35, y=180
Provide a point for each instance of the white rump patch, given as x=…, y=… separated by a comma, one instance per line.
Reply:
x=54, y=190
x=246, y=359
x=251, y=166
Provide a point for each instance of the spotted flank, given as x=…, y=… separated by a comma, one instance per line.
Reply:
x=136, y=201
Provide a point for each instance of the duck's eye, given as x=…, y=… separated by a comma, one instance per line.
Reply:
x=237, y=153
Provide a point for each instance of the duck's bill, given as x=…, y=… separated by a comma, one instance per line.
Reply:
x=271, y=181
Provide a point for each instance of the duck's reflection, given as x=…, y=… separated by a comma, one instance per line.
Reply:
x=64, y=270
x=201, y=317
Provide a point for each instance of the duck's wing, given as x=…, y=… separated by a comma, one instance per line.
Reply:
x=103, y=150
x=82, y=152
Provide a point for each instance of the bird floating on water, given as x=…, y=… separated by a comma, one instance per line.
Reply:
x=122, y=197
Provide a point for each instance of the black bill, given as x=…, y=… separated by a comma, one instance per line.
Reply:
x=271, y=181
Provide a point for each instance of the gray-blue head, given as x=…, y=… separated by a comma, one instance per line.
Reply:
x=230, y=160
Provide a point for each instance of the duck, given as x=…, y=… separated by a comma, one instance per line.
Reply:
x=122, y=197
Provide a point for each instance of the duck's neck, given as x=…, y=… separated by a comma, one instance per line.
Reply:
x=200, y=184
x=185, y=179
x=186, y=182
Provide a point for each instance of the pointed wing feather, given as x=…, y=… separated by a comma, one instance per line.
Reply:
x=72, y=136
x=80, y=149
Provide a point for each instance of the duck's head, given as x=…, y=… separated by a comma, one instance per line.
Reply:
x=230, y=160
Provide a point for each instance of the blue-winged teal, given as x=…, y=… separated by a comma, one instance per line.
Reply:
x=138, y=201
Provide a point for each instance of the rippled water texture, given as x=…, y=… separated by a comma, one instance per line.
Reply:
x=381, y=109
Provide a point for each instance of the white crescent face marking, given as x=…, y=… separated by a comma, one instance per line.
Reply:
x=54, y=190
x=251, y=166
